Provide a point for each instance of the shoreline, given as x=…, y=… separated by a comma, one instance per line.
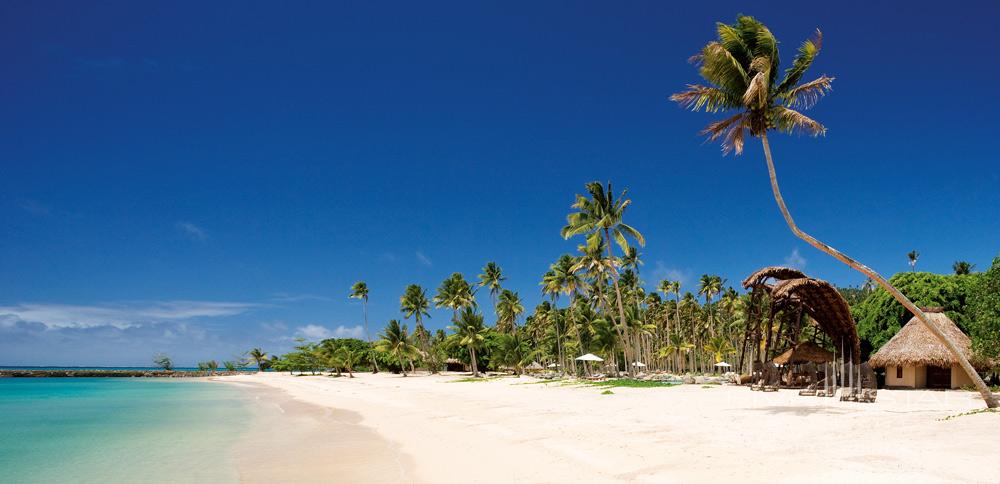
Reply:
x=523, y=430
x=289, y=440
x=115, y=373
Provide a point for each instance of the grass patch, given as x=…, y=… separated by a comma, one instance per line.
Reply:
x=626, y=382
x=473, y=379
x=607, y=392
x=973, y=412
x=707, y=386
x=541, y=382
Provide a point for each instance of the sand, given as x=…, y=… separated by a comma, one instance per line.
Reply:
x=437, y=429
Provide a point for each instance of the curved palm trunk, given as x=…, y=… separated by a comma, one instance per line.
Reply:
x=475, y=368
x=991, y=401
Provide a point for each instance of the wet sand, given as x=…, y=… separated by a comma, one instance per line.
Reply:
x=294, y=441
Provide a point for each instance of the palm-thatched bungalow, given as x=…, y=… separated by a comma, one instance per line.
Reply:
x=915, y=358
x=453, y=364
x=807, y=352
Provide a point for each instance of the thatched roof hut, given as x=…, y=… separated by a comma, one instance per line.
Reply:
x=915, y=345
x=826, y=306
x=807, y=352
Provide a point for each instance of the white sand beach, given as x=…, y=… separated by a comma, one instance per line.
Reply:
x=513, y=430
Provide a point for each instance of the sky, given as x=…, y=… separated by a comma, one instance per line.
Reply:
x=199, y=178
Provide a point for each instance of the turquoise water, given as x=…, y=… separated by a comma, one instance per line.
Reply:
x=118, y=430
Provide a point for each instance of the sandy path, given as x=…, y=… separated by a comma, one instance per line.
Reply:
x=507, y=431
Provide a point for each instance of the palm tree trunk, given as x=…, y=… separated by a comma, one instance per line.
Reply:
x=991, y=401
x=369, y=335
x=621, y=308
x=475, y=368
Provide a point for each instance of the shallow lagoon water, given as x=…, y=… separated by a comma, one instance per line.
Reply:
x=119, y=430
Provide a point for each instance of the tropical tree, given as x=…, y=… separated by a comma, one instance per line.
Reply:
x=471, y=333
x=962, y=268
x=741, y=68
x=395, y=341
x=491, y=278
x=163, y=361
x=260, y=358
x=455, y=293
x=599, y=215
x=513, y=351
x=913, y=256
x=346, y=357
x=360, y=291
x=709, y=286
x=509, y=307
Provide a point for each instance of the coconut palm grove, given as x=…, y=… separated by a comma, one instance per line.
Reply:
x=492, y=243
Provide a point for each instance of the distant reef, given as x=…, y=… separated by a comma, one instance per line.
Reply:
x=111, y=373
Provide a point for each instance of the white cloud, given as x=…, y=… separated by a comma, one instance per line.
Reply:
x=317, y=332
x=122, y=315
x=661, y=272
x=287, y=297
x=191, y=230
x=423, y=259
x=795, y=260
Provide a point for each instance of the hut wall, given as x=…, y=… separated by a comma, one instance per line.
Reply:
x=913, y=377
x=959, y=378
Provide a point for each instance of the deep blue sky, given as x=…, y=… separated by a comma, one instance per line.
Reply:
x=201, y=177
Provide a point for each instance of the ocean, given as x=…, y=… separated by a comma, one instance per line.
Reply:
x=119, y=430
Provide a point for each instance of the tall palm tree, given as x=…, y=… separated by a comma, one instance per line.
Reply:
x=913, y=256
x=395, y=341
x=962, y=267
x=666, y=287
x=471, y=333
x=709, y=286
x=599, y=215
x=491, y=277
x=360, y=291
x=260, y=357
x=741, y=68
x=509, y=307
x=414, y=304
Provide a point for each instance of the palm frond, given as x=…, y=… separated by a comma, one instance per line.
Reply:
x=756, y=93
x=709, y=99
x=807, y=53
x=790, y=121
x=632, y=232
x=719, y=67
x=807, y=95
x=731, y=39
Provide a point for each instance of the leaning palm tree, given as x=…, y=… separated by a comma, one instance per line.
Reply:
x=471, y=333
x=395, y=341
x=913, y=256
x=260, y=357
x=741, y=68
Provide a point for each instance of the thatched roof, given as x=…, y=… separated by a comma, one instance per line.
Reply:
x=821, y=301
x=760, y=277
x=804, y=353
x=914, y=344
x=534, y=366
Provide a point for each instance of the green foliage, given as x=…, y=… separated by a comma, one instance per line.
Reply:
x=971, y=412
x=229, y=365
x=629, y=383
x=879, y=316
x=163, y=361
x=984, y=308
x=607, y=392
x=210, y=365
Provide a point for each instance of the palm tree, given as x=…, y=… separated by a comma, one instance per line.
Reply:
x=913, y=256
x=360, y=291
x=491, y=277
x=742, y=70
x=962, y=268
x=347, y=358
x=509, y=307
x=666, y=287
x=455, y=293
x=260, y=357
x=471, y=333
x=602, y=214
x=709, y=287
x=395, y=341
x=413, y=303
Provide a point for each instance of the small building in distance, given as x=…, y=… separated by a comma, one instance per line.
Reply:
x=915, y=358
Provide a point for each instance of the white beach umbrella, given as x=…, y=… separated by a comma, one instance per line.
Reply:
x=552, y=365
x=590, y=357
x=723, y=364
x=639, y=364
